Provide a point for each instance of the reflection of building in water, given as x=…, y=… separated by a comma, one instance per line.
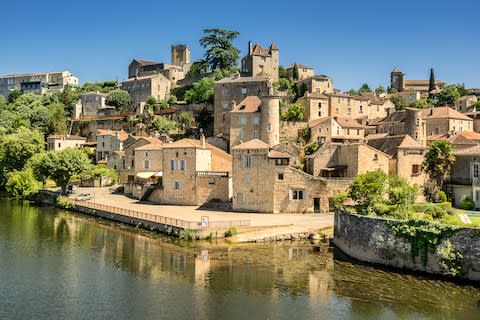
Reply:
x=202, y=268
x=319, y=286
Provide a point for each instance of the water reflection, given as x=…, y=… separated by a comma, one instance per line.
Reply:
x=135, y=273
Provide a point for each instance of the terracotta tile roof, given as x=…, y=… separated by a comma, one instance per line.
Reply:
x=122, y=135
x=234, y=79
x=469, y=135
x=273, y=46
x=144, y=77
x=458, y=138
x=249, y=104
x=316, y=95
x=349, y=123
x=65, y=137
x=150, y=146
x=316, y=77
x=259, y=51
x=391, y=144
x=146, y=62
x=376, y=136
x=277, y=154
x=444, y=113
x=421, y=82
x=316, y=122
x=472, y=151
x=252, y=144
x=299, y=66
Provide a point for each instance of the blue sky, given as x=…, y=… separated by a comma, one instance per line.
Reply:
x=352, y=41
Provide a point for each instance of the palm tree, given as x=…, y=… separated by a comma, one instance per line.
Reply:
x=438, y=161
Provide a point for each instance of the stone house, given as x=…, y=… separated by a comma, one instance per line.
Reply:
x=255, y=118
x=303, y=71
x=264, y=181
x=406, y=156
x=261, y=62
x=193, y=173
x=37, y=83
x=464, y=180
x=459, y=140
x=316, y=105
x=440, y=120
x=142, y=87
x=336, y=129
x=409, y=121
x=398, y=81
x=337, y=160
x=108, y=142
x=231, y=91
x=317, y=84
x=62, y=142
x=463, y=104
x=90, y=104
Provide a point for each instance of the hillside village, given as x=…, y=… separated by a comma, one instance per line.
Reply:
x=262, y=137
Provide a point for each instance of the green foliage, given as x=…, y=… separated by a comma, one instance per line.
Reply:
x=380, y=90
x=282, y=73
x=303, y=88
x=100, y=171
x=368, y=189
x=435, y=212
x=161, y=125
x=64, y=203
x=69, y=98
x=441, y=196
x=172, y=99
x=311, y=148
x=57, y=117
x=221, y=53
x=339, y=200
x=179, y=92
x=450, y=261
x=467, y=203
x=186, y=234
x=103, y=87
x=400, y=193
x=185, y=118
x=431, y=82
x=306, y=134
x=438, y=161
x=295, y=72
x=13, y=95
x=399, y=101
x=202, y=91
x=422, y=235
x=294, y=112
x=230, y=232
x=448, y=95
x=22, y=183
x=198, y=67
x=282, y=84
x=67, y=164
x=364, y=88
x=42, y=165
x=119, y=99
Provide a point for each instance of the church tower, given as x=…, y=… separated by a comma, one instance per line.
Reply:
x=397, y=79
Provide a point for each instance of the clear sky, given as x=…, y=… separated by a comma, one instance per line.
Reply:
x=351, y=41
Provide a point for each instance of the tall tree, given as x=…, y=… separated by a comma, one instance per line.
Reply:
x=431, y=83
x=364, y=88
x=448, y=95
x=380, y=89
x=438, y=161
x=367, y=190
x=221, y=53
x=295, y=75
x=119, y=99
x=68, y=163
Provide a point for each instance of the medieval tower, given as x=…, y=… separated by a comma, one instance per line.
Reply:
x=397, y=79
x=270, y=119
x=180, y=55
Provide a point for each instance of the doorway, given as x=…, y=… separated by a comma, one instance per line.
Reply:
x=316, y=205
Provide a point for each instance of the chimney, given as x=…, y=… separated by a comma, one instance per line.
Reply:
x=233, y=104
x=202, y=137
x=250, y=48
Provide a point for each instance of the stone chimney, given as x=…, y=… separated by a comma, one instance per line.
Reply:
x=202, y=137
x=250, y=47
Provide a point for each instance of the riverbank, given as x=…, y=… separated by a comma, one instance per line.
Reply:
x=173, y=220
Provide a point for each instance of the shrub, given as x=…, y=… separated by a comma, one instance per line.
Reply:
x=230, y=232
x=186, y=234
x=311, y=148
x=436, y=212
x=467, y=204
x=383, y=209
x=64, y=203
x=441, y=196
x=450, y=261
x=339, y=200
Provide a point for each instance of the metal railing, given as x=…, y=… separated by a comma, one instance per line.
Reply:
x=158, y=218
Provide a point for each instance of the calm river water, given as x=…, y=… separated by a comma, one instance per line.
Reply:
x=59, y=265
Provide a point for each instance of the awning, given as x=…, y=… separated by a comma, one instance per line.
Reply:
x=145, y=175
x=159, y=174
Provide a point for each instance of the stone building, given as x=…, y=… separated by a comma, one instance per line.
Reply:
x=261, y=62
x=339, y=160
x=90, y=104
x=303, y=71
x=406, y=154
x=108, y=142
x=398, y=82
x=316, y=105
x=180, y=55
x=62, y=142
x=231, y=91
x=464, y=104
x=440, y=120
x=316, y=84
x=141, y=88
x=37, y=83
x=409, y=121
x=255, y=118
x=264, y=181
x=464, y=180
x=336, y=129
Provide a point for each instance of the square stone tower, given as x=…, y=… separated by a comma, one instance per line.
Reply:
x=180, y=55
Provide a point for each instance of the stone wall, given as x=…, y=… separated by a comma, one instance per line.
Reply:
x=291, y=128
x=372, y=240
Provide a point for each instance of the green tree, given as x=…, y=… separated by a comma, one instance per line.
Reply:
x=295, y=75
x=401, y=193
x=22, y=183
x=57, y=119
x=198, y=67
x=294, y=112
x=364, y=88
x=42, y=165
x=438, y=161
x=367, y=190
x=282, y=84
x=380, y=90
x=185, y=118
x=399, y=101
x=431, y=84
x=119, y=99
x=302, y=89
x=221, y=53
x=69, y=98
x=202, y=91
x=13, y=95
x=67, y=164
x=162, y=125
x=448, y=95
x=282, y=73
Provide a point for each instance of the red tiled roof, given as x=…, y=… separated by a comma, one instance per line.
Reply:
x=444, y=113
x=122, y=135
x=249, y=104
x=252, y=144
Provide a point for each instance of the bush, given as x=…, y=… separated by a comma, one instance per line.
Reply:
x=441, y=196
x=382, y=209
x=311, y=148
x=436, y=212
x=467, y=204
x=230, y=232
x=186, y=234
x=339, y=200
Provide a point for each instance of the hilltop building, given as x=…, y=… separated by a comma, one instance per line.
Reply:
x=398, y=82
x=261, y=62
x=38, y=83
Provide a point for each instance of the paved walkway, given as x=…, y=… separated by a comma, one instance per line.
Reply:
x=192, y=213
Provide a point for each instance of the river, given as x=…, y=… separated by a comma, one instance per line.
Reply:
x=60, y=265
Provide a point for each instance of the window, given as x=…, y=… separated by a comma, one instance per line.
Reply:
x=256, y=120
x=416, y=169
x=375, y=157
x=183, y=165
x=243, y=120
x=281, y=162
x=59, y=145
x=248, y=178
x=361, y=109
x=172, y=165
x=417, y=122
x=475, y=170
x=349, y=111
x=416, y=135
x=280, y=176
x=269, y=127
x=319, y=113
x=211, y=180
x=225, y=92
x=239, y=197
x=254, y=135
x=248, y=161
x=242, y=135
x=176, y=185
x=296, y=194
x=244, y=90
x=225, y=105
x=437, y=130
x=477, y=195
x=317, y=90
x=146, y=164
